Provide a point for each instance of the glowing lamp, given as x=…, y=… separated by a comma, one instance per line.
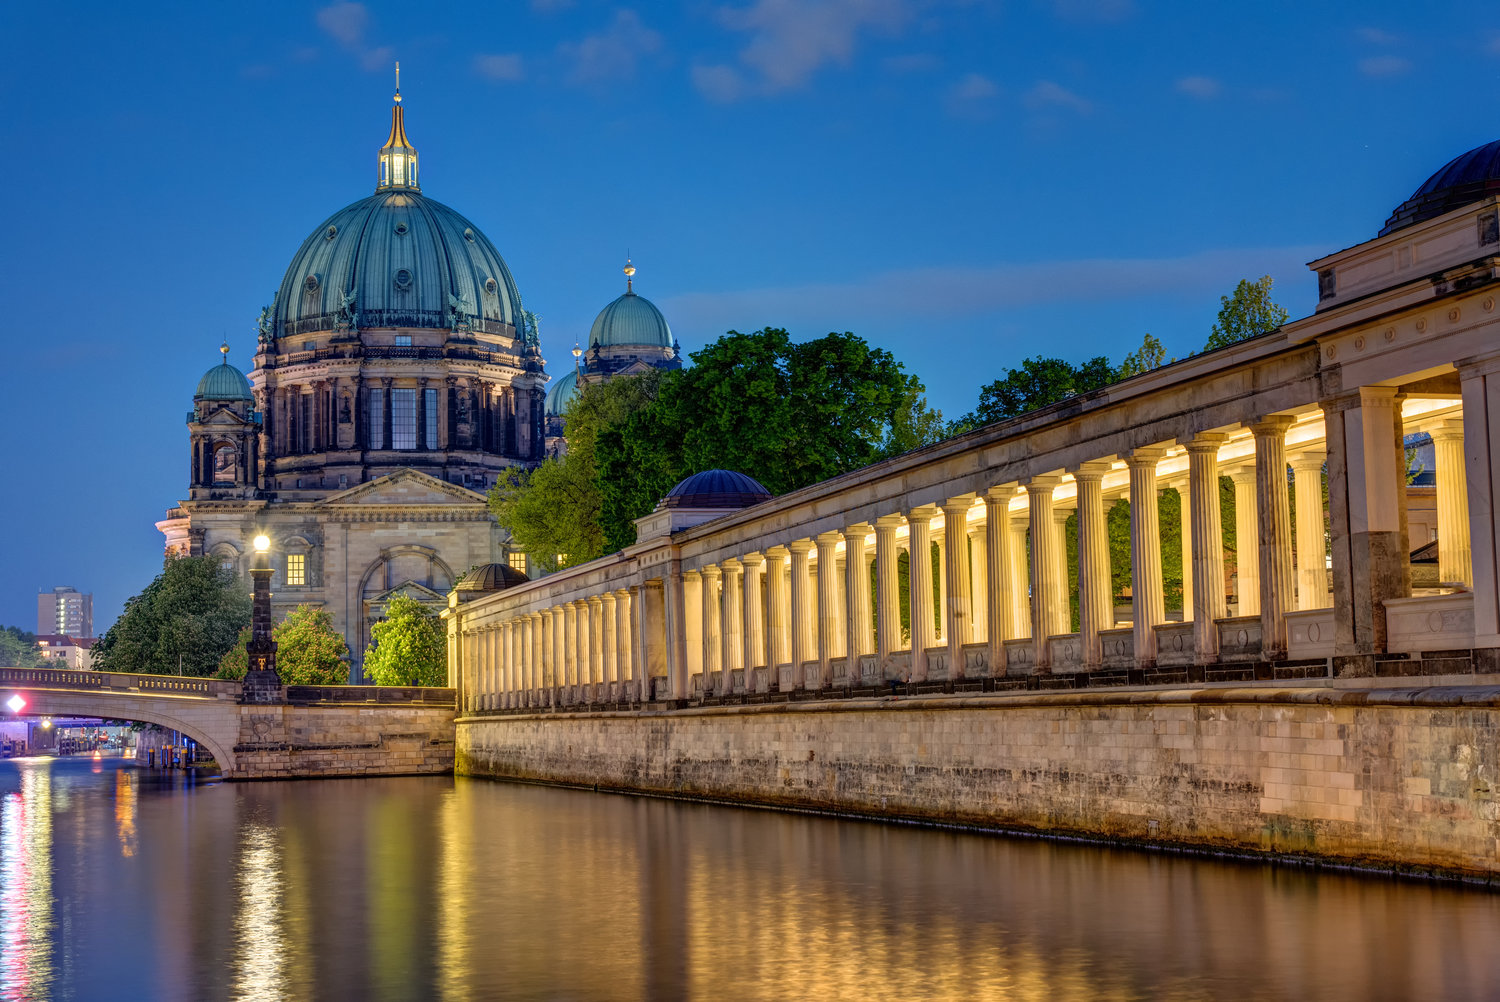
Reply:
x=16, y=703
x=47, y=724
x=261, y=543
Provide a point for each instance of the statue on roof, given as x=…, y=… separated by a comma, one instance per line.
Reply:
x=265, y=326
x=458, y=312
x=532, y=335
x=347, y=315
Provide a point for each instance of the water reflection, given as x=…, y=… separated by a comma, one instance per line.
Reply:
x=26, y=927
x=430, y=888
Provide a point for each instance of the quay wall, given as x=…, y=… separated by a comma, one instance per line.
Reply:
x=1391, y=778
x=285, y=742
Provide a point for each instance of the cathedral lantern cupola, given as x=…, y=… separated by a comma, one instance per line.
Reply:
x=224, y=432
x=398, y=158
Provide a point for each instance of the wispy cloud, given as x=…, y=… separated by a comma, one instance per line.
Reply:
x=1493, y=48
x=977, y=291
x=1094, y=11
x=499, y=66
x=1384, y=66
x=346, y=23
x=790, y=40
x=1376, y=36
x=972, y=96
x=916, y=62
x=612, y=54
x=1047, y=94
x=1203, y=88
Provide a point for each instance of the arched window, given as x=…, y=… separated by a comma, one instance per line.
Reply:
x=226, y=464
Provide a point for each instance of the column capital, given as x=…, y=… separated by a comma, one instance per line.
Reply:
x=1093, y=470
x=1273, y=426
x=777, y=552
x=860, y=529
x=1062, y=512
x=1244, y=473
x=1002, y=492
x=691, y=576
x=1208, y=441
x=829, y=539
x=1451, y=430
x=797, y=546
x=922, y=513
x=960, y=504
x=753, y=559
x=1042, y=482
x=711, y=571
x=594, y=600
x=1145, y=457
x=1309, y=461
x=731, y=564
x=889, y=522
x=622, y=593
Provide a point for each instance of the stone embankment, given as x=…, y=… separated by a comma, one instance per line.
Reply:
x=1346, y=771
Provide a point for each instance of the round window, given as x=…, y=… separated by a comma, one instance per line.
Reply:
x=310, y=283
x=469, y=235
x=403, y=279
x=401, y=228
x=332, y=232
x=490, y=286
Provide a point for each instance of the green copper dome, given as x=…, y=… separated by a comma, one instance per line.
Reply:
x=631, y=319
x=223, y=382
x=561, y=393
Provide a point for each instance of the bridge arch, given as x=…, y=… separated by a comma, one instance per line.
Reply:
x=214, y=724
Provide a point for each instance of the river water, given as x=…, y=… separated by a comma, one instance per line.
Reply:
x=119, y=883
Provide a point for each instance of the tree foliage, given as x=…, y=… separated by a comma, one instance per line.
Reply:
x=1245, y=313
x=408, y=647
x=1037, y=383
x=1150, y=355
x=192, y=611
x=788, y=414
x=18, y=649
x=309, y=651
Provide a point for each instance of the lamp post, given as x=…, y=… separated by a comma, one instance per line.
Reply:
x=262, y=684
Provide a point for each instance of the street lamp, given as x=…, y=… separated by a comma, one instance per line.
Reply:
x=262, y=684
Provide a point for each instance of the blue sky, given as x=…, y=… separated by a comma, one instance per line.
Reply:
x=964, y=183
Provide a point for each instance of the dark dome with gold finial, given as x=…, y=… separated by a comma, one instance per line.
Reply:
x=1465, y=179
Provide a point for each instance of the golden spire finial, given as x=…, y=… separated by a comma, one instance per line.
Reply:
x=398, y=81
x=629, y=274
x=224, y=350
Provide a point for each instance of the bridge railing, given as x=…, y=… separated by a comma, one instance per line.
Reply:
x=383, y=695
x=213, y=688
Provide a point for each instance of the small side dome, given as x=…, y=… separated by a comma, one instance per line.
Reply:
x=716, y=489
x=490, y=577
x=561, y=393
x=223, y=382
x=631, y=319
x=1461, y=181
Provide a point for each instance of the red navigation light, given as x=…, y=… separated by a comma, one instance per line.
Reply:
x=16, y=703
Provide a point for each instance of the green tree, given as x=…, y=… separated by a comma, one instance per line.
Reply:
x=18, y=649
x=189, y=615
x=1038, y=382
x=1245, y=313
x=1150, y=355
x=408, y=647
x=309, y=651
x=789, y=414
x=553, y=510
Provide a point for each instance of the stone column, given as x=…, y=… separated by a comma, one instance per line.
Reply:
x=1479, y=380
x=596, y=641
x=1062, y=606
x=804, y=610
x=1312, y=553
x=560, y=648
x=828, y=601
x=1043, y=541
x=733, y=624
x=1367, y=518
x=1184, y=487
x=609, y=644
x=713, y=640
x=674, y=616
x=979, y=591
x=570, y=644
x=755, y=619
x=692, y=591
x=1273, y=534
x=997, y=574
x=887, y=590
x=584, y=643
x=538, y=665
x=960, y=610
x=779, y=609
x=1246, y=561
x=859, y=638
x=1208, y=546
x=1147, y=604
x=1020, y=575
x=639, y=630
x=624, y=643
x=549, y=674
x=1455, y=563
x=1096, y=609
x=940, y=614
x=919, y=577
x=512, y=679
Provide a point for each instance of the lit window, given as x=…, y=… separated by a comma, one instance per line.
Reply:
x=403, y=340
x=377, y=419
x=430, y=433
x=309, y=345
x=398, y=173
x=517, y=561
x=296, y=569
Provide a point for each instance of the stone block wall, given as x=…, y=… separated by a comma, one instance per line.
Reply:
x=285, y=742
x=1403, y=779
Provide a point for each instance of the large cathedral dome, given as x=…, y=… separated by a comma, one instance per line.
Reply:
x=397, y=259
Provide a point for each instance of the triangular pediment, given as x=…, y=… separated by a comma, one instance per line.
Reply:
x=223, y=418
x=635, y=368
x=414, y=590
x=405, y=487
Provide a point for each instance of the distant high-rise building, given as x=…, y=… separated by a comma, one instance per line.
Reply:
x=65, y=611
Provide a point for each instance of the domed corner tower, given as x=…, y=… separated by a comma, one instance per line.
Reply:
x=629, y=336
x=397, y=340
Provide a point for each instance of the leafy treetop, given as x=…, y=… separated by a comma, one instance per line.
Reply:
x=309, y=651
x=408, y=647
x=192, y=611
x=1245, y=313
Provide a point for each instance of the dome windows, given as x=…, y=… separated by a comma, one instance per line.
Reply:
x=331, y=232
x=401, y=228
x=310, y=284
x=490, y=287
x=469, y=234
x=402, y=280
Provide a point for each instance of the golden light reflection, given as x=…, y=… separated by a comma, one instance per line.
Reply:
x=125, y=806
x=260, y=957
x=26, y=970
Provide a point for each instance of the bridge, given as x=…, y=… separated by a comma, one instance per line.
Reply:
x=313, y=731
